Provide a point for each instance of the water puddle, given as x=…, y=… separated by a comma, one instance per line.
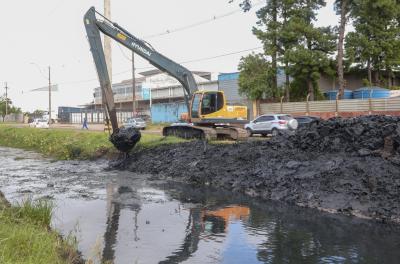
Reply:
x=127, y=218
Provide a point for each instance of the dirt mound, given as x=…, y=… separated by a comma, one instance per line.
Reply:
x=364, y=134
x=336, y=166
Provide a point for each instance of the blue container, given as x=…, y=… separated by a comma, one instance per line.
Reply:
x=374, y=92
x=331, y=95
x=167, y=113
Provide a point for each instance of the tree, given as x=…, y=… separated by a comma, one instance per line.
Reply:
x=309, y=57
x=375, y=43
x=275, y=31
x=245, y=4
x=343, y=8
x=268, y=16
x=290, y=37
x=287, y=39
x=255, y=78
x=10, y=108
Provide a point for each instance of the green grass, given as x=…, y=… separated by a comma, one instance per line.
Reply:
x=26, y=238
x=70, y=144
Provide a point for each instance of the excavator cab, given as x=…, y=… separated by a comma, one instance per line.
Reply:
x=205, y=103
x=210, y=107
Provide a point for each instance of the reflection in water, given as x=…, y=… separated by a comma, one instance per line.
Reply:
x=142, y=222
x=222, y=228
x=200, y=221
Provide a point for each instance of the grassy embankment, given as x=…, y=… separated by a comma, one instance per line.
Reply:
x=26, y=237
x=70, y=144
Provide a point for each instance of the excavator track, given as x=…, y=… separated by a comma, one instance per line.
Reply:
x=187, y=131
x=235, y=133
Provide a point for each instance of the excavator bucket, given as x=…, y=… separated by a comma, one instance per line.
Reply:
x=124, y=139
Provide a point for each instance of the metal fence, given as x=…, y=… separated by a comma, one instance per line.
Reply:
x=333, y=106
x=96, y=117
x=19, y=118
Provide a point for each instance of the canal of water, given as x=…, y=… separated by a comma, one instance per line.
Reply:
x=123, y=217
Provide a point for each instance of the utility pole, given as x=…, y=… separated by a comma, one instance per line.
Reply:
x=107, y=40
x=49, y=97
x=6, y=99
x=133, y=85
x=107, y=55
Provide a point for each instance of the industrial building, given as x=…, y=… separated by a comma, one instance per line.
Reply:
x=159, y=97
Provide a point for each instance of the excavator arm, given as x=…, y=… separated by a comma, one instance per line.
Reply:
x=94, y=26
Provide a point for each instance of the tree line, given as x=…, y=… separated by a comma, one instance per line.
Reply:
x=295, y=45
x=6, y=106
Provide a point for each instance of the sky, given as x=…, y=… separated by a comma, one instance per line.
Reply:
x=41, y=33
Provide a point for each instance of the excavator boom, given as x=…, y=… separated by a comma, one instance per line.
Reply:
x=206, y=109
x=93, y=28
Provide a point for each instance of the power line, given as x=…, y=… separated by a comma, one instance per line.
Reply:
x=222, y=55
x=214, y=18
x=58, y=5
x=183, y=62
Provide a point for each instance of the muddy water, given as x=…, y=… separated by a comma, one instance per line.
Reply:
x=129, y=218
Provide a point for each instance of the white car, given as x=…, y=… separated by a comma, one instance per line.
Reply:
x=42, y=123
x=33, y=123
x=135, y=123
x=271, y=124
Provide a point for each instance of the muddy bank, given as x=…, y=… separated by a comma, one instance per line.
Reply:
x=349, y=166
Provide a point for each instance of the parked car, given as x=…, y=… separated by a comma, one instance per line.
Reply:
x=135, y=122
x=34, y=122
x=305, y=121
x=271, y=124
x=42, y=123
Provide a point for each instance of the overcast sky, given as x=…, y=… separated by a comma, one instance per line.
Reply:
x=51, y=32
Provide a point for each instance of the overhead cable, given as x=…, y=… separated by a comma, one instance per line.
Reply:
x=183, y=62
x=196, y=24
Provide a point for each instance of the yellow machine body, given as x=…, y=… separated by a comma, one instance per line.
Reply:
x=209, y=107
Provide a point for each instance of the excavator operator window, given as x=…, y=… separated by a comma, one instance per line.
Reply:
x=195, y=105
x=211, y=103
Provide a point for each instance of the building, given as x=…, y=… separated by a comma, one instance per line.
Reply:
x=64, y=113
x=353, y=81
x=159, y=97
x=153, y=87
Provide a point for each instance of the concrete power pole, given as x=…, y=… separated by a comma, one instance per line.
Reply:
x=49, y=97
x=133, y=85
x=107, y=55
x=107, y=40
x=6, y=99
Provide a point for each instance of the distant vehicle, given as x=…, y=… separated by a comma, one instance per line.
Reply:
x=135, y=123
x=271, y=124
x=33, y=123
x=42, y=123
x=305, y=121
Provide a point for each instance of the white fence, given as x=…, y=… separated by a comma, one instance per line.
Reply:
x=96, y=117
x=19, y=118
x=353, y=105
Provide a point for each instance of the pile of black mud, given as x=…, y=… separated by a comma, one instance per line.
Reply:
x=349, y=166
x=124, y=139
x=366, y=135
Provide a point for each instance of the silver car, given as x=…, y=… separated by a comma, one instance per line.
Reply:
x=135, y=123
x=271, y=124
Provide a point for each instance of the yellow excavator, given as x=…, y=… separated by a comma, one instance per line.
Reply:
x=209, y=116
